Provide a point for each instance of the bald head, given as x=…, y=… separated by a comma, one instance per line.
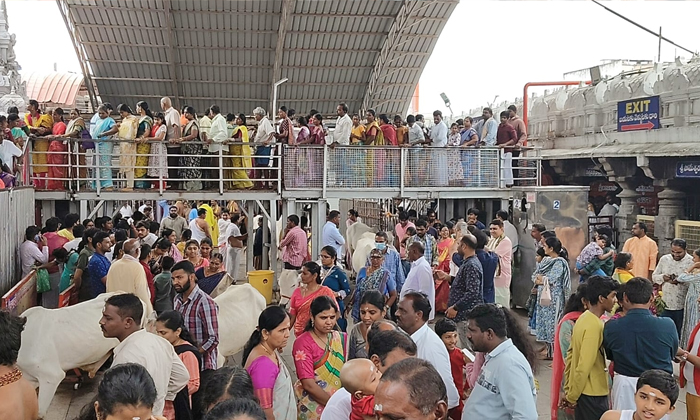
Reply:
x=165, y=103
x=359, y=375
x=131, y=247
x=415, y=251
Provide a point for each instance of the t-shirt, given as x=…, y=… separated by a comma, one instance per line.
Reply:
x=98, y=267
x=8, y=151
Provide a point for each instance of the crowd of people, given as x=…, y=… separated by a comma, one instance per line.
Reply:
x=186, y=148
x=426, y=326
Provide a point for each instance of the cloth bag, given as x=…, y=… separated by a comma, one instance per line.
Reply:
x=546, y=294
x=42, y=281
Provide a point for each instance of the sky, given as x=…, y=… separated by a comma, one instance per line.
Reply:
x=487, y=48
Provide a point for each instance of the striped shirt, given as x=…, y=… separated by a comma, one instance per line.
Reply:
x=201, y=316
x=295, y=246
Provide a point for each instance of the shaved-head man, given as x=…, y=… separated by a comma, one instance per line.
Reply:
x=128, y=275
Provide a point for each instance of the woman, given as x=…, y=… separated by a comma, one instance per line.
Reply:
x=185, y=237
x=205, y=248
x=692, y=313
x=373, y=277
x=319, y=355
x=69, y=259
x=39, y=125
x=335, y=279
x=623, y=267
x=237, y=409
x=58, y=153
x=302, y=296
x=105, y=125
x=74, y=130
x=371, y=309
x=158, y=161
x=240, y=156
x=143, y=147
x=445, y=248
x=125, y=392
x=213, y=279
x=575, y=306
x=353, y=217
x=554, y=269
x=263, y=361
x=171, y=326
x=301, y=157
x=171, y=250
x=227, y=383
x=192, y=254
x=162, y=247
x=190, y=164
x=126, y=132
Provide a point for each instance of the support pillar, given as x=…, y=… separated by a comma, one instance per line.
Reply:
x=671, y=208
x=250, y=209
x=274, y=235
x=627, y=216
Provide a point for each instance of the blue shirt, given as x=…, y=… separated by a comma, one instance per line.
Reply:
x=98, y=267
x=331, y=236
x=489, y=263
x=505, y=388
x=629, y=344
x=192, y=215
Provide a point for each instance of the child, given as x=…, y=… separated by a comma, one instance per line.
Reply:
x=531, y=304
x=165, y=293
x=657, y=392
x=593, y=250
x=360, y=378
x=408, y=239
x=446, y=329
x=455, y=138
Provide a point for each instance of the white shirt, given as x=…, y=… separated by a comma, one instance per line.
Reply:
x=223, y=227
x=218, y=133
x=158, y=356
x=415, y=134
x=126, y=211
x=420, y=279
x=8, y=150
x=674, y=294
x=150, y=239
x=608, y=210
x=432, y=349
x=331, y=236
x=343, y=128
x=172, y=118
x=339, y=406
x=72, y=245
x=30, y=254
x=438, y=134
x=233, y=230
x=264, y=130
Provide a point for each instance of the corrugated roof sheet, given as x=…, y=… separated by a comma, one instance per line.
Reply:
x=55, y=87
x=223, y=51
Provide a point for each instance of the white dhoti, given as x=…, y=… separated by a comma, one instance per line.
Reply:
x=507, y=169
x=503, y=296
x=233, y=261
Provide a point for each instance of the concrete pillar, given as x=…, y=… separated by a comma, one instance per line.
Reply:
x=250, y=209
x=627, y=216
x=671, y=208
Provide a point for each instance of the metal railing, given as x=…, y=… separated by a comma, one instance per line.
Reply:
x=124, y=165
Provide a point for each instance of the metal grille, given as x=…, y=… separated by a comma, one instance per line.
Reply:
x=17, y=206
x=690, y=231
x=370, y=167
x=441, y=167
x=303, y=167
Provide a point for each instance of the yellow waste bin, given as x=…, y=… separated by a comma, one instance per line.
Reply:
x=262, y=281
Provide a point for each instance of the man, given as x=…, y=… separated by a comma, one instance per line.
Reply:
x=175, y=222
x=501, y=245
x=610, y=208
x=466, y=291
x=18, y=400
x=224, y=222
x=78, y=231
x=399, y=235
x=416, y=138
x=69, y=222
x=143, y=233
x=172, y=122
x=428, y=241
x=489, y=263
x=147, y=212
x=586, y=381
x=234, y=246
x=33, y=251
x=412, y=317
x=99, y=265
x=644, y=251
x=218, y=134
x=518, y=124
x=294, y=244
x=411, y=389
x=487, y=128
x=506, y=386
x=392, y=259
x=420, y=278
x=438, y=138
x=199, y=226
x=343, y=125
x=510, y=230
x=127, y=275
x=632, y=348
x=536, y=233
x=606, y=265
x=121, y=319
x=199, y=311
x=330, y=235
x=506, y=138
x=386, y=348
x=263, y=139
x=670, y=267
x=401, y=130
x=473, y=218
x=655, y=398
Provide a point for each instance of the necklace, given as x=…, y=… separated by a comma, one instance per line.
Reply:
x=11, y=377
x=269, y=352
x=320, y=339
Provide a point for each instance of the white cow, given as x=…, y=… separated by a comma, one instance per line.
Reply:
x=355, y=233
x=55, y=341
x=239, y=309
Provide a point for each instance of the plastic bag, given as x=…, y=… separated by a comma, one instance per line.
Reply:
x=545, y=294
x=42, y=281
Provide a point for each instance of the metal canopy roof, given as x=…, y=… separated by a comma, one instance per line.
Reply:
x=366, y=53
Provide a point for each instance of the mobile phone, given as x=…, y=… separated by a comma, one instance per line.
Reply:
x=37, y=238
